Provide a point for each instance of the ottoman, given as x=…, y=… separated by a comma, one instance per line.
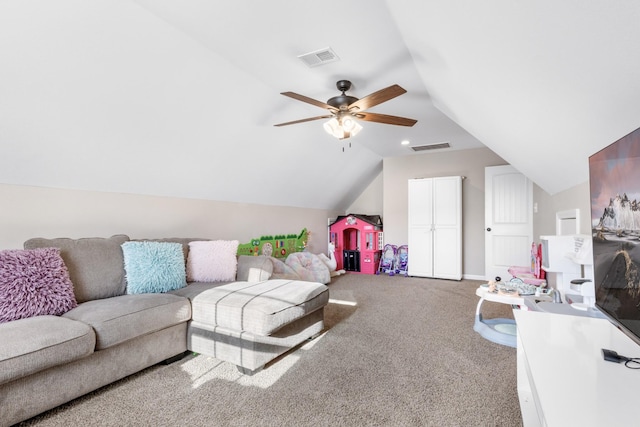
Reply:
x=252, y=323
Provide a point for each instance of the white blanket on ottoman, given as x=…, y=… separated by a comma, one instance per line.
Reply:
x=251, y=323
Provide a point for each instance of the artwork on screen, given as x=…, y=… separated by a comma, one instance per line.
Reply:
x=614, y=179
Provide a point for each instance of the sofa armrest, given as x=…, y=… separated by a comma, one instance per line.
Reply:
x=254, y=268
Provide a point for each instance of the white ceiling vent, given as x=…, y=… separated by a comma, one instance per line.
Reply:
x=319, y=57
x=431, y=147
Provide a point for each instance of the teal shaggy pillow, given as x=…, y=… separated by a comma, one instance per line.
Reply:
x=153, y=267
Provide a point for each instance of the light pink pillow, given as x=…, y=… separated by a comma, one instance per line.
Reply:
x=212, y=261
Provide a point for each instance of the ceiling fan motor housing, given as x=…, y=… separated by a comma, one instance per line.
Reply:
x=343, y=85
x=342, y=101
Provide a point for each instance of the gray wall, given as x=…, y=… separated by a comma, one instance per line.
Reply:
x=370, y=201
x=471, y=164
x=467, y=163
x=45, y=212
x=544, y=221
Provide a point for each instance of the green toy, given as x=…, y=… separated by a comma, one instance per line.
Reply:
x=278, y=246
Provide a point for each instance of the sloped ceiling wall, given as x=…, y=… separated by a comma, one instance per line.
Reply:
x=179, y=98
x=107, y=96
x=542, y=83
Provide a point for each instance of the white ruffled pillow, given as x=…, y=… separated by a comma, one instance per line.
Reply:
x=212, y=261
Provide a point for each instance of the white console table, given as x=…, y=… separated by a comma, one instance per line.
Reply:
x=563, y=379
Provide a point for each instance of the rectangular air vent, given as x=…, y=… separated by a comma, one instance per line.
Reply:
x=319, y=57
x=431, y=147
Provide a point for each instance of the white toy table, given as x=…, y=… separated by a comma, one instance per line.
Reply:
x=500, y=330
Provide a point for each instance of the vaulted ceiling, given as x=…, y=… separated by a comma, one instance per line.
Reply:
x=179, y=97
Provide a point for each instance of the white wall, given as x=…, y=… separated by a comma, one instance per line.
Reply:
x=467, y=163
x=471, y=164
x=370, y=202
x=44, y=212
x=544, y=221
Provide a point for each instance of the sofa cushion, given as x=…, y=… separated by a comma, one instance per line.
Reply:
x=261, y=308
x=118, y=319
x=212, y=261
x=34, y=282
x=95, y=265
x=40, y=342
x=194, y=289
x=254, y=268
x=153, y=267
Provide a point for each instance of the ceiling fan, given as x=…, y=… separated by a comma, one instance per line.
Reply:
x=344, y=109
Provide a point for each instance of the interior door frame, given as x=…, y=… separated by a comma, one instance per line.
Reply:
x=513, y=247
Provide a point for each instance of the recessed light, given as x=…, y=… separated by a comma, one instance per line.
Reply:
x=405, y=142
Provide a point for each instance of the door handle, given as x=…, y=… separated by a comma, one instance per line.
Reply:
x=488, y=228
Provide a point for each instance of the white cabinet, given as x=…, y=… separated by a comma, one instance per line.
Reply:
x=435, y=227
x=563, y=379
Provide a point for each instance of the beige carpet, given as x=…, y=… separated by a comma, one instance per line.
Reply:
x=397, y=352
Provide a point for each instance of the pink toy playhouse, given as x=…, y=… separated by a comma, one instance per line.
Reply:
x=357, y=239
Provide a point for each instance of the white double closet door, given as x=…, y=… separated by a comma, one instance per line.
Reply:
x=435, y=227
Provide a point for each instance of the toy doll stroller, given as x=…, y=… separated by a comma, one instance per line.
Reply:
x=402, y=260
x=388, y=259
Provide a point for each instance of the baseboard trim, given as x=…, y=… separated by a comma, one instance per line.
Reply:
x=472, y=277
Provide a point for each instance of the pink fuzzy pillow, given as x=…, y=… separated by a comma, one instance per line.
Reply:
x=212, y=261
x=34, y=282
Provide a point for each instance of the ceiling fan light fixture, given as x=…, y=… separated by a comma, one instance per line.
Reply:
x=348, y=123
x=342, y=127
x=355, y=128
x=332, y=127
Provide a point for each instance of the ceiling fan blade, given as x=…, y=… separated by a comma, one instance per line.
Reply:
x=377, y=98
x=386, y=119
x=305, y=120
x=309, y=100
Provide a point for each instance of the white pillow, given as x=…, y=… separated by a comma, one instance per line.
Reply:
x=212, y=261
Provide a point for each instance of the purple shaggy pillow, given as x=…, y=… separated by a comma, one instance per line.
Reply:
x=34, y=282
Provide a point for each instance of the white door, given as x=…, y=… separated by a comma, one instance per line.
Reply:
x=447, y=227
x=435, y=227
x=508, y=220
x=420, y=239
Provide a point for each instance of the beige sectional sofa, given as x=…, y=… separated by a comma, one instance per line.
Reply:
x=48, y=360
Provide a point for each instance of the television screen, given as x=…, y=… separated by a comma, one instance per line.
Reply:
x=614, y=179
